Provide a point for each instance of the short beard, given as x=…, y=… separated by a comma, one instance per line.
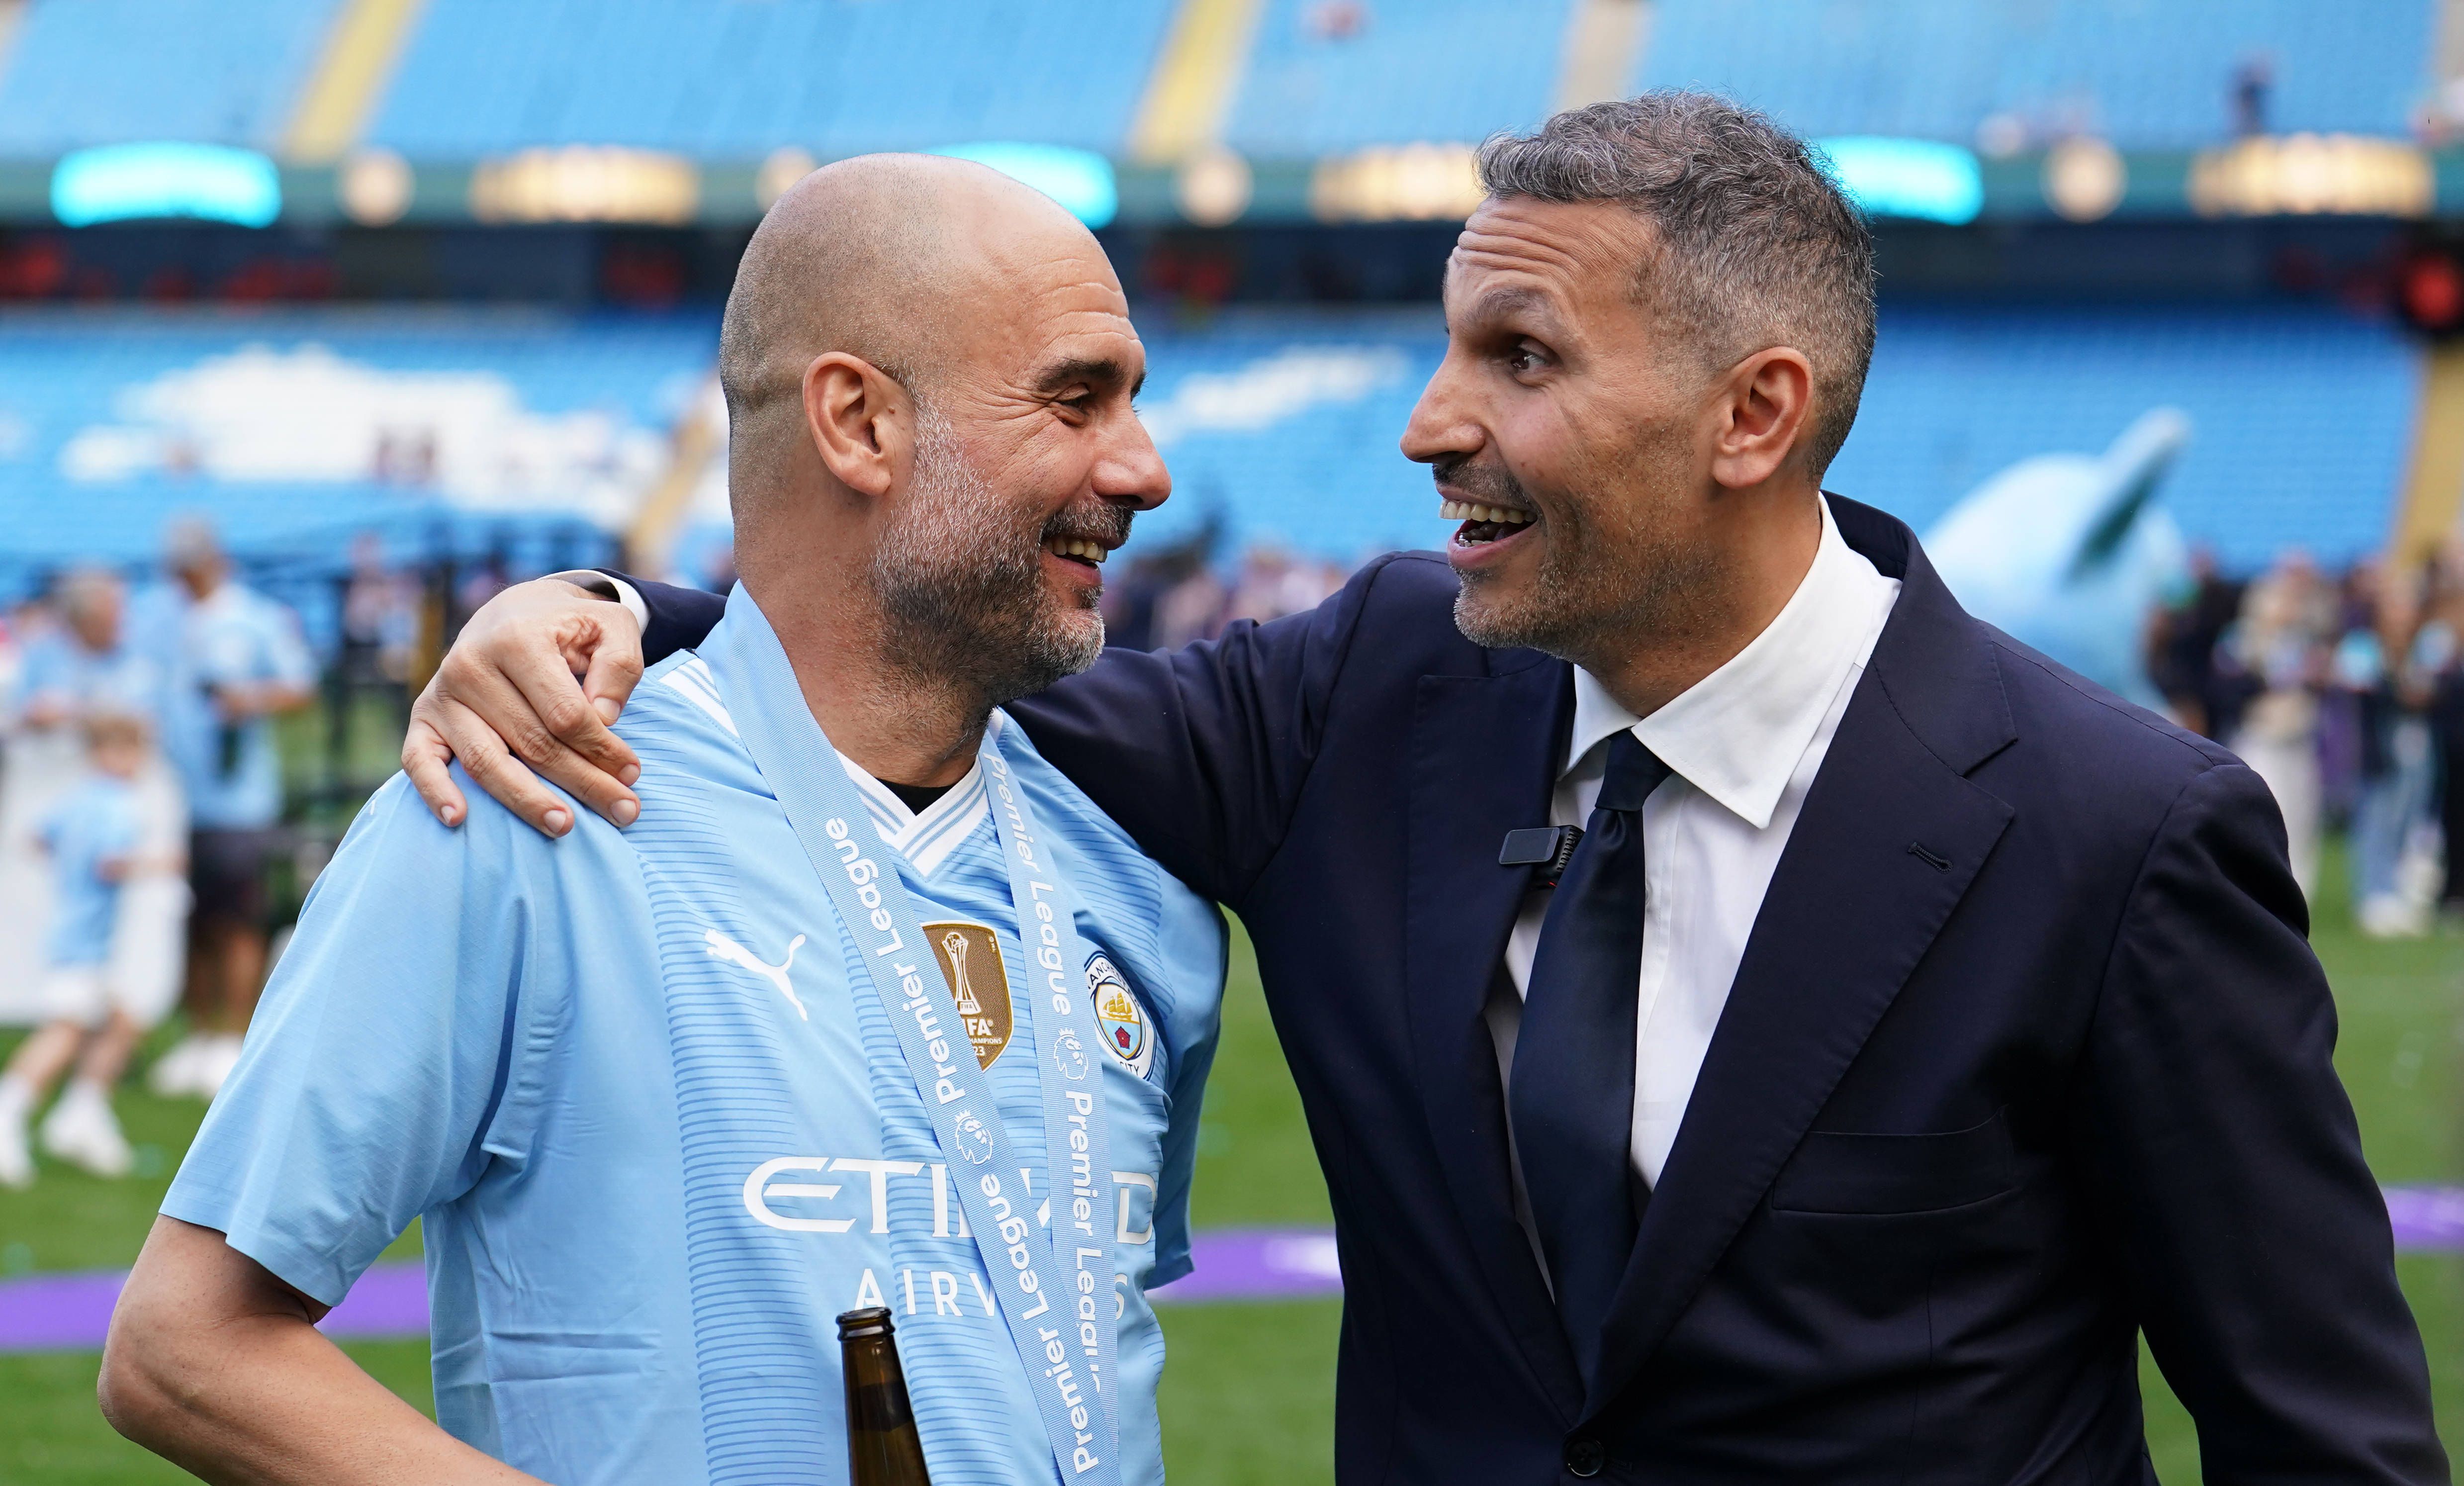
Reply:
x=959, y=577
x=1611, y=570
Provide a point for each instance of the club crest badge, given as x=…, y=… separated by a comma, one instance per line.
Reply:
x=971, y=962
x=1120, y=1020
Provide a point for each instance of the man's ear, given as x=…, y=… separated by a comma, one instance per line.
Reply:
x=1762, y=419
x=861, y=421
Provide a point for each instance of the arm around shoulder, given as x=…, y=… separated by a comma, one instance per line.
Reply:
x=1199, y=753
x=2254, y=1238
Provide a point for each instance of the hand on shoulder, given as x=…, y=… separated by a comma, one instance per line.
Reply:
x=526, y=694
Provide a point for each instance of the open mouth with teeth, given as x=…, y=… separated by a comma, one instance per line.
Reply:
x=1078, y=549
x=1482, y=524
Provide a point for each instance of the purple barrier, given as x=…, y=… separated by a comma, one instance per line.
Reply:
x=70, y=1312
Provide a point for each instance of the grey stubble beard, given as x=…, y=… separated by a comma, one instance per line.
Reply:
x=1609, y=577
x=959, y=579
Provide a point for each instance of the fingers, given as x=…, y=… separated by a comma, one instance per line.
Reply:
x=507, y=702
x=615, y=670
x=492, y=766
x=561, y=722
x=424, y=757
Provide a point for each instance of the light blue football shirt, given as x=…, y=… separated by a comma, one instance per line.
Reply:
x=93, y=823
x=660, y=1128
x=234, y=637
x=63, y=672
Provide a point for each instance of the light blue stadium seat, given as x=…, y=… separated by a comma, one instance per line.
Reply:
x=2145, y=74
x=739, y=78
x=100, y=71
x=1428, y=70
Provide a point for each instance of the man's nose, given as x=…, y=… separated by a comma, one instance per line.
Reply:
x=1440, y=426
x=1131, y=472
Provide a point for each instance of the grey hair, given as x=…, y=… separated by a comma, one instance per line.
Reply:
x=1756, y=244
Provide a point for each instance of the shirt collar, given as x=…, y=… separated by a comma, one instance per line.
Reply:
x=1738, y=733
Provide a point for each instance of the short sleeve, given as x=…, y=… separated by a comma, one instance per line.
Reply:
x=390, y=1045
x=1195, y=952
x=286, y=658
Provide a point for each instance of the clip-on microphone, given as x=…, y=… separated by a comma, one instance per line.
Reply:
x=1546, y=849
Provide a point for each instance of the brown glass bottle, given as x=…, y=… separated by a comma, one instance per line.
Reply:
x=882, y=1446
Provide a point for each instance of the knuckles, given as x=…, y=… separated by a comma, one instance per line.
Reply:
x=568, y=716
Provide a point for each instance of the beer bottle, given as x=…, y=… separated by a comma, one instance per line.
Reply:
x=882, y=1446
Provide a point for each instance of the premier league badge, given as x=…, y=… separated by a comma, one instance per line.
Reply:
x=1068, y=1055
x=1120, y=1020
x=975, y=1142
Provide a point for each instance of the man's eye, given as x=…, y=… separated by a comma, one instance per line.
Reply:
x=1521, y=359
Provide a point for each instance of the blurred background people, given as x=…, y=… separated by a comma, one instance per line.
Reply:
x=380, y=634
x=93, y=836
x=2387, y=663
x=82, y=664
x=2182, y=648
x=2278, y=641
x=238, y=662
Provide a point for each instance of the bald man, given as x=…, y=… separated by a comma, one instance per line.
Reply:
x=820, y=1033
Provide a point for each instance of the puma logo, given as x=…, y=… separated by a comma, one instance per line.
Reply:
x=724, y=948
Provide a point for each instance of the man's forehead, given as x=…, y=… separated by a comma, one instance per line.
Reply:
x=1517, y=251
x=1067, y=307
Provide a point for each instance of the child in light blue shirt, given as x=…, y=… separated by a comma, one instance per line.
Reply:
x=91, y=837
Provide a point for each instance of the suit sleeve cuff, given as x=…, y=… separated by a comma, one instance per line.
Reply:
x=609, y=587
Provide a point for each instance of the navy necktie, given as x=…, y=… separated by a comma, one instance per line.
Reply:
x=1572, y=1091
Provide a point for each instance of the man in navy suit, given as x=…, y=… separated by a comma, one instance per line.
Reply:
x=1757, y=1022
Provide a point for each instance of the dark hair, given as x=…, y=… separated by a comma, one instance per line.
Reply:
x=1755, y=245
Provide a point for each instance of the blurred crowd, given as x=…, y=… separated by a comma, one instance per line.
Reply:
x=2346, y=693
x=1178, y=595
x=140, y=806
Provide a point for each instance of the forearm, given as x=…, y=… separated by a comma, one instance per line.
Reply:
x=225, y=1375
x=240, y=703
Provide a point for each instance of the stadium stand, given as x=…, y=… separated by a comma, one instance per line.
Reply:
x=101, y=71
x=2300, y=417
x=443, y=430
x=1286, y=426
x=1435, y=70
x=300, y=428
x=2146, y=77
x=738, y=78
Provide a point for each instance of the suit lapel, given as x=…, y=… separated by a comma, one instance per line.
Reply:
x=1484, y=760
x=1890, y=837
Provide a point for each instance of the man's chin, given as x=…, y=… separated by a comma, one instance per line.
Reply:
x=1493, y=620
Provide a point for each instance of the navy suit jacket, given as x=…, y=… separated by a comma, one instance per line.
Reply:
x=2028, y=1054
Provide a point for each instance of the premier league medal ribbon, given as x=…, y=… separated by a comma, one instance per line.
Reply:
x=1071, y=1077
x=1050, y=1282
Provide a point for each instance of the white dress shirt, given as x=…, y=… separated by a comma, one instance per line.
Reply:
x=1744, y=744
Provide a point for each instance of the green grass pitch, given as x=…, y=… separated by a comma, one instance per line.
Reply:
x=1248, y=1396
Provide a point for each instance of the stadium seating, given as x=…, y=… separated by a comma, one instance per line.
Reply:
x=100, y=71
x=738, y=78
x=438, y=429
x=299, y=429
x=2146, y=76
x=1435, y=70
x=2301, y=420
